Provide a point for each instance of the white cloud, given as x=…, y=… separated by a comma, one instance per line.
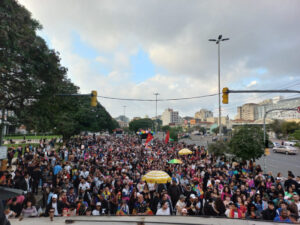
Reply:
x=175, y=35
x=251, y=84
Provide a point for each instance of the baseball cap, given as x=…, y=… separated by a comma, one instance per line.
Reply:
x=54, y=196
x=98, y=203
x=193, y=196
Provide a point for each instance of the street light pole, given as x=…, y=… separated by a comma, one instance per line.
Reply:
x=218, y=42
x=219, y=91
x=156, y=94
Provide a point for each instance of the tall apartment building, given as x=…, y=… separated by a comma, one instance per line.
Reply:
x=170, y=116
x=203, y=114
x=247, y=111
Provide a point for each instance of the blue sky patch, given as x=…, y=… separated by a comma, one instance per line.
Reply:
x=261, y=71
x=142, y=67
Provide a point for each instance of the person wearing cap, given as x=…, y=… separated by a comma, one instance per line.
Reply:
x=191, y=205
x=54, y=204
x=290, y=181
x=181, y=204
x=97, y=210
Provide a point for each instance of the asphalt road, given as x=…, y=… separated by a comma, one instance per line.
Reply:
x=275, y=162
x=278, y=162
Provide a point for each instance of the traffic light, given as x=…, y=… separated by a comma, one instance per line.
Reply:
x=225, y=95
x=267, y=151
x=94, y=98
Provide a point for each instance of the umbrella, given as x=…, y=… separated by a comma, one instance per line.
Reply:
x=6, y=193
x=156, y=176
x=175, y=161
x=185, y=151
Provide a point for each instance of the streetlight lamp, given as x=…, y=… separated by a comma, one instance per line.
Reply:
x=218, y=41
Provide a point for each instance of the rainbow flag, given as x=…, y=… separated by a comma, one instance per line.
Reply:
x=121, y=212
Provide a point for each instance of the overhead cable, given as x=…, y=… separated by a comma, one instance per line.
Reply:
x=153, y=100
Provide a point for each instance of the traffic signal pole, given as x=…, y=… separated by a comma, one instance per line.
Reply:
x=227, y=91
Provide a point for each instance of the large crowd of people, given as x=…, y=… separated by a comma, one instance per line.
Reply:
x=102, y=175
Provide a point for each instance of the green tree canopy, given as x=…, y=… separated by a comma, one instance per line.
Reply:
x=32, y=81
x=247, y=143
x=146, y=123
x=219, y=148
x=284, y=128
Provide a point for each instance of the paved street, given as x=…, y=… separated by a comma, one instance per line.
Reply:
x=277, y=162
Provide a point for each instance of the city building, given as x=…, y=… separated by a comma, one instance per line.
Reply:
x=203, y=114
x=224, y=120
x=247, y=111
x=170, y=117
x=122, y=118
x=122, y=124
x=280, y=103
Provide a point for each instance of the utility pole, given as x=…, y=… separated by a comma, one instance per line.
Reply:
x=218, y=42
x=124, y=106
x=156, y=94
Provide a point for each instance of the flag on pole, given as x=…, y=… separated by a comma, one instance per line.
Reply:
x=149, y=138
x=167, y=137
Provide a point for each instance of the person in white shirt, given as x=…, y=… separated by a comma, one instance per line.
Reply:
x=84, y=173
x=84, y=185
x=140, y=186
x=180, y=205
x=164, y=210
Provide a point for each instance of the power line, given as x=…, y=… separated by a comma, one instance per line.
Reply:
x=153, y=100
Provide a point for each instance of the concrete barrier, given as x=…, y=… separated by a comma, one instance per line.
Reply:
x=134, y=220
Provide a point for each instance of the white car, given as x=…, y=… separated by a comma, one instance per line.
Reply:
x=286, y=149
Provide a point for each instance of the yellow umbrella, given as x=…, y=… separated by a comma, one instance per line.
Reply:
x=185, y=151
x=156, y=176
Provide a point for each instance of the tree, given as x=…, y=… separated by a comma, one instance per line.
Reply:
x=296, y=135
x=146, y=123
x=165, y=128
x=224, y=130
x=32, y=81
x=247, y=143
x=28, y=69
x=289, y=127
x=219, y=148
x=276, y=127
x=284, y=128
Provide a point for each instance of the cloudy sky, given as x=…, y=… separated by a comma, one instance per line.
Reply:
x=134, y=48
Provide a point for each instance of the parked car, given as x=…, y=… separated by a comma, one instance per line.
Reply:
x=275, y=144
x=286, y=149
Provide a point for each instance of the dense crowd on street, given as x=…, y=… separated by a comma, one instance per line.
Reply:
x=102, y=175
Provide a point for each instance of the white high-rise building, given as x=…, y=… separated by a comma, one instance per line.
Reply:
x=280, y=103
x=170, y=116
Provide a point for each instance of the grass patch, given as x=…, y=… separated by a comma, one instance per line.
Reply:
x=32, y=137
x=22, y=145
